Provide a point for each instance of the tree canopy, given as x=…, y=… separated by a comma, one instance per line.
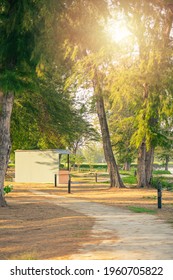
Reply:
x=51, y=49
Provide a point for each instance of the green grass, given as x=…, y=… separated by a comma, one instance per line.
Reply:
x=129, y=180
x=24, y=256
x=123, y=172
x=150, y=197
x=141, y=210
x=159, y=172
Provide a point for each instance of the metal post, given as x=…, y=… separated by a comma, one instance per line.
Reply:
x=69, y=185
x=55, y=180
x=68, y=162
x=159, y=194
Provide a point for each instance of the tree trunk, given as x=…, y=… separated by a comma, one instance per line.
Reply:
x=127, y=166
x=141, y=178
x=149, y=165
x=145, y=166
x=115, y=178
x=6, y=105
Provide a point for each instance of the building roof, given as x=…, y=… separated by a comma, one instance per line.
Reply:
x=59, y=151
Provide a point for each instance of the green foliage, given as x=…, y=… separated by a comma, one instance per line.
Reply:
x=17, y=44
x=11, y=164
x=47, y=118
x=32, y=66
x=122, y=129
x=140, y=84
x=76, y=160
x=97, y=167
x=8, y=189
x=83, y=25
x=165, y=152
x=164, y=183
x=93, y=153
x=82, y=132
x=35, y=36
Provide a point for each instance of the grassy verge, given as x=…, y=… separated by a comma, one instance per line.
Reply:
x=129, y=180
x=141, y=210
x=129, y=177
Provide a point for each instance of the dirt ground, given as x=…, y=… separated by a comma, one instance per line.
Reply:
x=32, y=228
x=124, y=198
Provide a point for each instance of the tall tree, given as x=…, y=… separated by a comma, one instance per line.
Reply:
x=27, y=31
x=151, y=23
x=86, y=47
x=15, y=53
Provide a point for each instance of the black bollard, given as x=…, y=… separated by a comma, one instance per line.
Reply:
x=159, y=195
x=55, y=180
x=69, y=185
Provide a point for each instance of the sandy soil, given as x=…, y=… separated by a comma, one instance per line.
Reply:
x=35, y=226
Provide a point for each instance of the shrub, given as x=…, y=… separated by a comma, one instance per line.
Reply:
x=8, y=189
x=97, y=166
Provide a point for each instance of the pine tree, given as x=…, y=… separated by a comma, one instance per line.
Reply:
x=151, y=23
x=27, y=31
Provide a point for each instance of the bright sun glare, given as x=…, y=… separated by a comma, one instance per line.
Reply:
x=117, y=30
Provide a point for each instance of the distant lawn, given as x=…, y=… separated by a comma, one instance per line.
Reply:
x=129, y=180
x=158, y=172
x=124, y=172
x=128, y=177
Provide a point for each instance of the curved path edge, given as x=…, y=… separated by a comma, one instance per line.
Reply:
x=122, y=234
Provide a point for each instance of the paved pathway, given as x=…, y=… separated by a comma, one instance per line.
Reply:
x=122, y=234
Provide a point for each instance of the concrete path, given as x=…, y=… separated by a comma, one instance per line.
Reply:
x=122, y=234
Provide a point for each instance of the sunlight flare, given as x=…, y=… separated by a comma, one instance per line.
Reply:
x=117, y=30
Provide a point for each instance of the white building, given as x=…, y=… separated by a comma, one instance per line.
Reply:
x=41, y=166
